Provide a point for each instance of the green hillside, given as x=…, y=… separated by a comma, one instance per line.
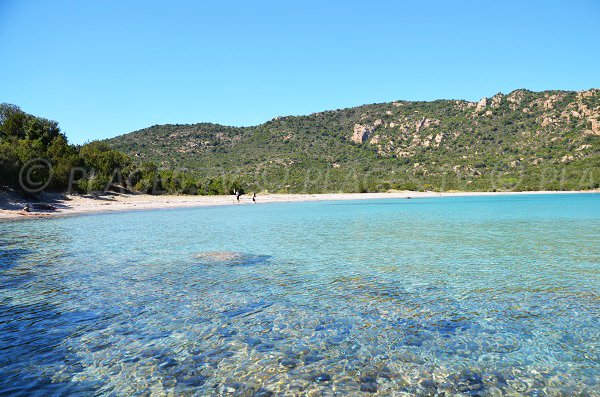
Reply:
x=521, y=141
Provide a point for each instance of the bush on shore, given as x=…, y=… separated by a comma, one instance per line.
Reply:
x=94, y=167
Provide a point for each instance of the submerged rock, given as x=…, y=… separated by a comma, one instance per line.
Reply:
x=368, y=379
x=324, y=377
x=370, y=387
x=368, y=383
x=263, y=393
x=246, y=309
x=469, y=381
x=169, y=381
x=312, y=358
x=237, y=389
x=252, y=341
x=229, y=258
x=289, y=363
x=168, y=363
x=194, y=381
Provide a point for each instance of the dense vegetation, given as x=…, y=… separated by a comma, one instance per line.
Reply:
x=34, y=154
x=520, y=141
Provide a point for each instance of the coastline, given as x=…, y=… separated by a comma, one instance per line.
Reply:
x=10, y=208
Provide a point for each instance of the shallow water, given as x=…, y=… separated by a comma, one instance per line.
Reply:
x=475, y=296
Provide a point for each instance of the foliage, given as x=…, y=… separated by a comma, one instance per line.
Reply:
x=94, y=167
x=520, y=141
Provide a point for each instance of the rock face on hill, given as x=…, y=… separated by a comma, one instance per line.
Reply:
x=523, y=140
x=362, y=132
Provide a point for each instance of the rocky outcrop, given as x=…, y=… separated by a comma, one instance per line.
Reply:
x=424, y=123
x=547, y=121
x=595, y=126
x=551, y=100
x=362, y=132
x=481, y=104
x=420, y=124
x=515, y=98
x=497, y=100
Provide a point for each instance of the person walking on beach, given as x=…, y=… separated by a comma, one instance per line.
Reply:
x=254, y=198
x=237, y=195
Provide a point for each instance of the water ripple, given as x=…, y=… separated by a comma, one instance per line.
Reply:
x=486, y=297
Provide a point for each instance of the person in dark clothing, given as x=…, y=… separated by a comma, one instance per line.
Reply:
x=254, y=197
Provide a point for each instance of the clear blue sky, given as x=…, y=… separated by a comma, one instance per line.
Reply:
x=106, y=67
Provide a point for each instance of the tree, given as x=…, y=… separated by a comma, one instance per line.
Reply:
x=64, y=159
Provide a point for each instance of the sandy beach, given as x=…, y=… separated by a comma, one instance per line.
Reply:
x=11, y=206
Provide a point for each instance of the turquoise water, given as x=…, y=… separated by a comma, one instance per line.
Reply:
x=472, y=295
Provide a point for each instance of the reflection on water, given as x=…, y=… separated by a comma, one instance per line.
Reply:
x=486, y=296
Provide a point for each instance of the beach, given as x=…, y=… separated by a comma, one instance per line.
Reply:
x=56, y=205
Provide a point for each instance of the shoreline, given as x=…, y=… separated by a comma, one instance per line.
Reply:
x=82, y=205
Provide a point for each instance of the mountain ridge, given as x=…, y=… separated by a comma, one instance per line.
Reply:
x=439, y=145
x=352, y=107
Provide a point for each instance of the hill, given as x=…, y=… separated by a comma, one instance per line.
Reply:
x=521, y=141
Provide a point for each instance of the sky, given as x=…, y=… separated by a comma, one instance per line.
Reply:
x=107, y=67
